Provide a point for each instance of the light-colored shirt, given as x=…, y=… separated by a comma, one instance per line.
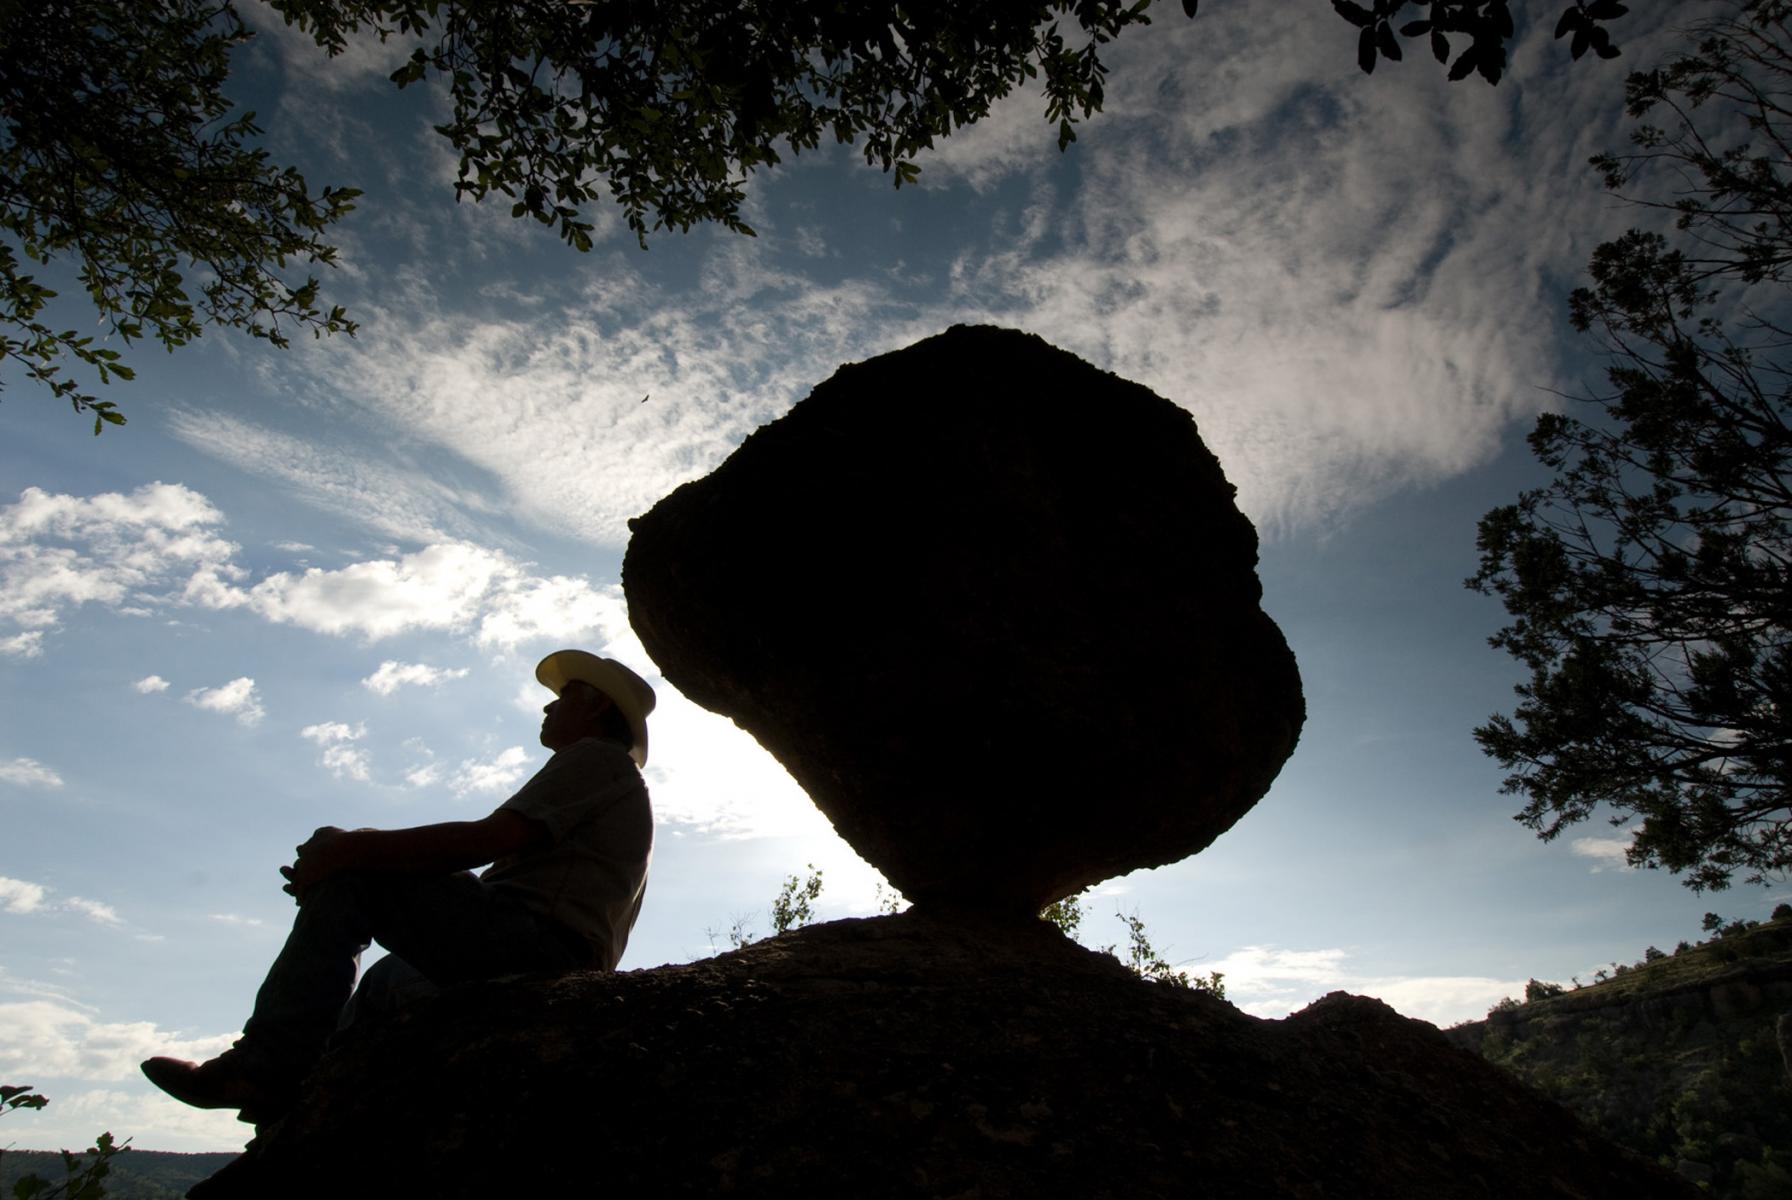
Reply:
x=591, y=874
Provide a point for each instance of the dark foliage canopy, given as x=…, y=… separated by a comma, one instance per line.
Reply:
x=1475, y=31
x=1650, y=583
x=121, y=156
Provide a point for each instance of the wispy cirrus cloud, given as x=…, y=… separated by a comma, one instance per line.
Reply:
x=1346, y=279
x=551, y=405
x=1352, y=282
x=380, y=493
x=21, y=897
x=94, y=910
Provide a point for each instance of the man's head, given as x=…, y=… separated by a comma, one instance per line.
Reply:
x=595, y=697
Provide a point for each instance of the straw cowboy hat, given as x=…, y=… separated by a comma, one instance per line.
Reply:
x=630, y=692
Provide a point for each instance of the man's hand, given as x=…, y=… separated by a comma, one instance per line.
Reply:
x=324, y=853
x=449, y=846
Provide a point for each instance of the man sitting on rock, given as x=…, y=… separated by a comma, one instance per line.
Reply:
x=569, y=858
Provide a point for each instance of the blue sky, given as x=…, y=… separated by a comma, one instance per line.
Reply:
x=308, y=587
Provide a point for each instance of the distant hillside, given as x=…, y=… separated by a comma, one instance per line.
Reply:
x=1684, y=1057
x=136, y=1174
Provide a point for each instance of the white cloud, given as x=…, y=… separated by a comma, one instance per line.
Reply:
x=151, y=683
x=146, y=1116
x=346, y=762
x=1443, y=1000
x=393, y=675
x=1012, y=139
x=38, y=989
x=121, y=551
x=453, y=586
x=238, y=696
x=439, y=587
x=93, y=910
x=1350, y=281
x=561, y=608
x=1607, y=853
x=23, y=645
x=1267, y=981
x=501, y=772
x=22, y=897
x=529, y=696
x=28, y=772
x=18, y=896
x=343, y=760
x=424, y=775
x=237, y=919
x=45, y=1038
x=1346, y=279
x=333, y=731
x=155, y=546
x=550, y=406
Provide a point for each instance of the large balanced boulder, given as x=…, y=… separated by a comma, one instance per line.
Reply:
x=919, y=1057
x=993, y=608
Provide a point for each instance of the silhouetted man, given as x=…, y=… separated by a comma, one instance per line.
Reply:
x=568, y=857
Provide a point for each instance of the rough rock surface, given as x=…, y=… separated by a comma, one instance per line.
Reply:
x=994, y=609
x=916, y=1057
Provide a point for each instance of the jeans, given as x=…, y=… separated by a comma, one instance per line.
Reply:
x=441, y=930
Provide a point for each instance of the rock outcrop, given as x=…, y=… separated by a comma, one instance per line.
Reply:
x=1681, y=1057
x=994, y=609
x=912, y=1056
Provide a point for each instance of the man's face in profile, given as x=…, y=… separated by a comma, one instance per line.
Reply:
x=572, y=715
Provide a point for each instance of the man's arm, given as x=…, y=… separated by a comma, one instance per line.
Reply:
x=447, y=846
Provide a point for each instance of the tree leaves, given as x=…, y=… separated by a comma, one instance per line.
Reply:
x=1386, y=42
x=668, y=109
x=1580, y=24
x=81, y=1180
x=122, y=154
x=1487, y=24
x=1649, y=584
x=123, y=158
